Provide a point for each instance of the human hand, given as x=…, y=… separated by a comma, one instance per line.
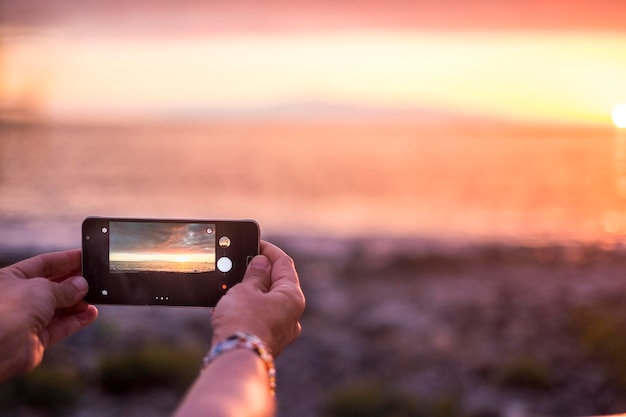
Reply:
x=42, y=303
x=268, y=302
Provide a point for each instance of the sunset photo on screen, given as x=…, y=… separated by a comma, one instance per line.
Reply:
x=161, y=247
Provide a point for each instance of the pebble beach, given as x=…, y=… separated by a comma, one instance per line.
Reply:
x=464, y=330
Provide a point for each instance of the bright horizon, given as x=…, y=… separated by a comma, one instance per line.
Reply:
x=525, y=76
x=176, y=257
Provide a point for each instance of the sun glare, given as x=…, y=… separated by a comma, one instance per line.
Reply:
x=619, y=115
x=182, y=258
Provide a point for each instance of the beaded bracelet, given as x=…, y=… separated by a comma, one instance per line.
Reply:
x=246, y=341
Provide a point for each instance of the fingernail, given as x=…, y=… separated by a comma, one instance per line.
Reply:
x=87, y=316
x=79, y=282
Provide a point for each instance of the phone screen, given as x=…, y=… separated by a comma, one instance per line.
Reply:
x=165, y=262
x=136, y=247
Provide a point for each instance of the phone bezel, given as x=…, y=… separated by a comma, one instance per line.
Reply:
x=169, y=289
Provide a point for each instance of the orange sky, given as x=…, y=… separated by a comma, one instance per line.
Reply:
x=202, y=16
x=527, y=61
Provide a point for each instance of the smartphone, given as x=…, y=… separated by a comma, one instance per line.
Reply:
x=136, y=261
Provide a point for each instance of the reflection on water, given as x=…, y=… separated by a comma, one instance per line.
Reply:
x=338, y=179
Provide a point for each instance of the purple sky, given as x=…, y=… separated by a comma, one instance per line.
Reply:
x=196, y=16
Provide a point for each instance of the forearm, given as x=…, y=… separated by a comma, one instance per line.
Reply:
x=235, y=384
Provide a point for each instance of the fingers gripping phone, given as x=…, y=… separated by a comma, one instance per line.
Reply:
x=165, y=261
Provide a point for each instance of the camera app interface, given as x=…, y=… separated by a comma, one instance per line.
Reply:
x=136, y=247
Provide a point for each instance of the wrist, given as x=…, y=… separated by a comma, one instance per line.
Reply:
x=247, y=341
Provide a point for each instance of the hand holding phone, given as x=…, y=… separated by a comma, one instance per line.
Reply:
x=164, y=261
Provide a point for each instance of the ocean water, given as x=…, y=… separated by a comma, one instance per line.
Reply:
x=161, y=266
x=388, y=179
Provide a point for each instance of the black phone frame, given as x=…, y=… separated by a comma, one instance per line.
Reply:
x=170, y=289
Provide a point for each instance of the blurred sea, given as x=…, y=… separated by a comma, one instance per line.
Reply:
x=338, y=179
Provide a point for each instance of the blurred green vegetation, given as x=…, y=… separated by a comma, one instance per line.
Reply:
x=526, y=372
x=51, y=387
x=148, y=367
x=601, y=331
x=55, y=388
x=365, y=399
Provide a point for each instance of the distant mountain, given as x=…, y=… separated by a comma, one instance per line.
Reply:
x=324, y=111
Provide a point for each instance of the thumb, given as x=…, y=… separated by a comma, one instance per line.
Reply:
x=258, y=273
x=70, y=291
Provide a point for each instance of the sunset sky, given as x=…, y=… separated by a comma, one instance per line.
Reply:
x=170, y=242
x=526, y=61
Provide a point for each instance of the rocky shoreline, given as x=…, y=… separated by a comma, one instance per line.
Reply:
x=441, y=322
x=472, y=330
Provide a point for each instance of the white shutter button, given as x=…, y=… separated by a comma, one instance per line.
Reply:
x=224, y=264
